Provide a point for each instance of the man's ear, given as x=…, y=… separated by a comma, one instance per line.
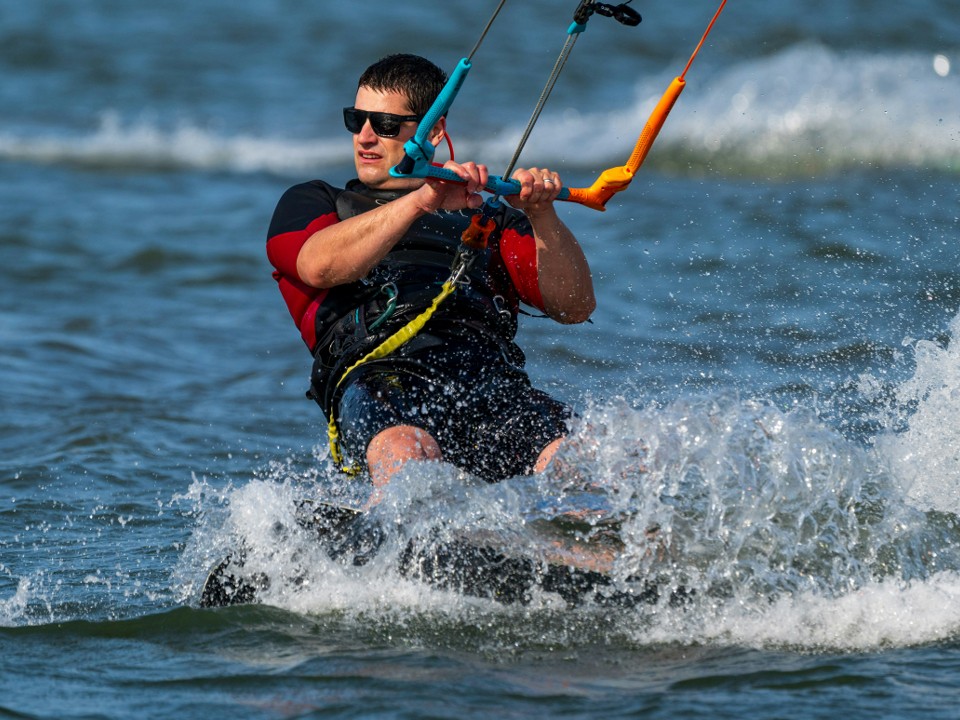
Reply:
x=438, y=132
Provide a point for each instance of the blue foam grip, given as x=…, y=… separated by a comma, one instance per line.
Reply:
x=418, y=149
x=495, y=184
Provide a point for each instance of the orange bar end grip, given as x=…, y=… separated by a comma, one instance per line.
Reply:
x=608, y=184
x=655, y=123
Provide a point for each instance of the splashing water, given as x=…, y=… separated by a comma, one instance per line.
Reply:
x=926, y=456
x=775, y=528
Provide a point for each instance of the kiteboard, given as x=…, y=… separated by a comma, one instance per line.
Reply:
x=469, y=563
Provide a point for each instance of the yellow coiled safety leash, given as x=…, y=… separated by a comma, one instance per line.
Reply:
x=474, y=240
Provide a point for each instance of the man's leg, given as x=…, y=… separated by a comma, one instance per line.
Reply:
x=546, y=455
x=391, y=448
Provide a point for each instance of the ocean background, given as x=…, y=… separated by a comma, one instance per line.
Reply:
x=772, y=375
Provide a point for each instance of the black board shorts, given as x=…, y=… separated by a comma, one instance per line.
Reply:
x=482, y=411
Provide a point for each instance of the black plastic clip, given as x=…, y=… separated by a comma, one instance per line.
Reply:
x=621, y=13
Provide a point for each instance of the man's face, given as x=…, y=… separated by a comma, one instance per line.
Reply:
x=374, y=155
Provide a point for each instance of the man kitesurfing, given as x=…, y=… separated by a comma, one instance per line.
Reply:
x=356, y=264
x=407, y=365
x=406, y=286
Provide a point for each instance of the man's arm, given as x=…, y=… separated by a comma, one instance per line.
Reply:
x=566, y=284
x=563, y=273
x=348, y=250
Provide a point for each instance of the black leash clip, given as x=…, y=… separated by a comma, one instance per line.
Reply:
x=621, y=13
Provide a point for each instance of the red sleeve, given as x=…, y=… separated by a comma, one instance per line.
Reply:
x=519, y=253
x=302, y=211
x=283, y=249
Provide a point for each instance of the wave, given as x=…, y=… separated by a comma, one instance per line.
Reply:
x=805, y=110
x=780, y=531
x=788, y=533
x=147, y=146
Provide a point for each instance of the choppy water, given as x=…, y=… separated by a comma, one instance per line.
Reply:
x=772, y=375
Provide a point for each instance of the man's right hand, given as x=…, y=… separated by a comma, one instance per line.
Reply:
x=439, y=194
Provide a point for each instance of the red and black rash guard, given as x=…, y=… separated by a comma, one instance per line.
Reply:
x=510, y=269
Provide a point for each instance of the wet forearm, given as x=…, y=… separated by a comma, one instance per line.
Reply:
x=348, y=250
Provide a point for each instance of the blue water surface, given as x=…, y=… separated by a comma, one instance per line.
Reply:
x=771, y=377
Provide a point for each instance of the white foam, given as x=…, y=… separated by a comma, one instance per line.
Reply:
x=143, y=144
x=879, y=615
x=13, y=608
x=926, y=456
x=787, y=533
x=804, y=109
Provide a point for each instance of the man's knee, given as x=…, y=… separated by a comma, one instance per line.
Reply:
x=546, y=455
x=391, y=448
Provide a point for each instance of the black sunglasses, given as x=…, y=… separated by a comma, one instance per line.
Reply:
x=383, y=124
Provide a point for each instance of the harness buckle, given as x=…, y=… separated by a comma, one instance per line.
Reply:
x=466, y=256
x=500, y=305
x=390, y=290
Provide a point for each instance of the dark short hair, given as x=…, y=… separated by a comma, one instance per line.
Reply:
x=416, y=77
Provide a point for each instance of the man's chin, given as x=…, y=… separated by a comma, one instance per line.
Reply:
x=385, y=181
x=374, y=178
x=375, y=182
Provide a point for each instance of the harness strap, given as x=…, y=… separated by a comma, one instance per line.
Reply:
x=391, y=344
